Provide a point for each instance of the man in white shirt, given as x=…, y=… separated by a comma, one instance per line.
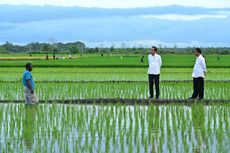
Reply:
x=199, y=72
x=155, y=63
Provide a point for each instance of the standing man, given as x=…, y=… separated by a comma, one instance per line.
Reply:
x=29, y=85
x=155, y=63
x=199, y=72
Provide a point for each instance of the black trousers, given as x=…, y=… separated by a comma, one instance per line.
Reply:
x=154, y=78
x=198, y=88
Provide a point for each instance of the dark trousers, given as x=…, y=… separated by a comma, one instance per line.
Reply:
x=154, y=78
x=198, y=88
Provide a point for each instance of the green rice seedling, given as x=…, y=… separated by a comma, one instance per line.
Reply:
x=104, y=74
x=130, y=146
x=56, y=127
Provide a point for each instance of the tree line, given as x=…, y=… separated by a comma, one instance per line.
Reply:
x=80, y=47
x=73, y=47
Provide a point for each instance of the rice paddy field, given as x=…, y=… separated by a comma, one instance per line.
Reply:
x=54, y=126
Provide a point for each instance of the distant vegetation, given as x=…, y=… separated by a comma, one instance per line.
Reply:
x=80, y=47
x=109, y=60
x=74, y=47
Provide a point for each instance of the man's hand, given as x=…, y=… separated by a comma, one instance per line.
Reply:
x=32, y=91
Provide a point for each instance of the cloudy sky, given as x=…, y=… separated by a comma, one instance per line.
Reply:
x=106, y=22
x=122, y=3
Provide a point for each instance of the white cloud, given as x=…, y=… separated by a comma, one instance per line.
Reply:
x=123, y=3
x=181, y=17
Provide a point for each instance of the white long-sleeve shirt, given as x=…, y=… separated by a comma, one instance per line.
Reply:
x=154, y=64
x=199, y=67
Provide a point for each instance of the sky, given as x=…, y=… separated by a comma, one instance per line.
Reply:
x=122, y=3
x=184, y=23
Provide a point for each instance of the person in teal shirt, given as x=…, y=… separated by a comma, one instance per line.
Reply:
x=29, y=84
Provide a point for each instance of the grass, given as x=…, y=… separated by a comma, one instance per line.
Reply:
x=136, y=90
x=108, y=74
x=114, y=128
x=169, y=61
x=131, y=83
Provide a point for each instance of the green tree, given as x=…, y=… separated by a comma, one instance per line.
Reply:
x=73, y=49
x=8, y=46
x=46, y=48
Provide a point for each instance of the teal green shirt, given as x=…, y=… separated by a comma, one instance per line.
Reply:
x=28, y=76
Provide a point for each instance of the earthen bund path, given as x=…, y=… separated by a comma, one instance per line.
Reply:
x=127, y=101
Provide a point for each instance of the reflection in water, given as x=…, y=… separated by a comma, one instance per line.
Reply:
x=155, y=129
x=114, y=128
x=29, y=125
x=198, y=120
